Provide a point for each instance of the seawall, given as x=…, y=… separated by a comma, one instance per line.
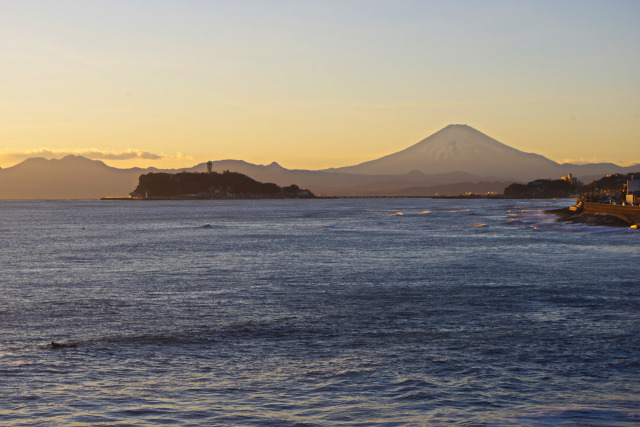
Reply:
x=629, y=214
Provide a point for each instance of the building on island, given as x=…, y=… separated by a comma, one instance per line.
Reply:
x=209, y=166
x=570, y=178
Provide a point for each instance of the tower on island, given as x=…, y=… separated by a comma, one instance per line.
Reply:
x=209, y=166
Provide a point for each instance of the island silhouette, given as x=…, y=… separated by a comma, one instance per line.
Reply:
x=211, y=185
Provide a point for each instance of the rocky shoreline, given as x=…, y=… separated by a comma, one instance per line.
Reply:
x=573, y=217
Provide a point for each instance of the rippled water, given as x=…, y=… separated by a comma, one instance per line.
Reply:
x=316, y=312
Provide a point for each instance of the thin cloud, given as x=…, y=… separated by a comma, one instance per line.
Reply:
x=93, y=154
x=125, y=155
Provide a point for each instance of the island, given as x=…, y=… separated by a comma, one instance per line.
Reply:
x=211, y=185
x=544, y=189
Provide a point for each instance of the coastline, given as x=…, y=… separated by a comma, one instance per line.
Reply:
x=576, y=217
x=592, y=216
x=203, y=198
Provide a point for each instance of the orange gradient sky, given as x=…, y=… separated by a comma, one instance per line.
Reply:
x=315, y=84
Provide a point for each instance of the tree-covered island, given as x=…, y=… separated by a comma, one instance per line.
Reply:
x=213, y=185
x=544, y=189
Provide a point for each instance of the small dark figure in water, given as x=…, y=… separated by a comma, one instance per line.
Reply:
x=61, y=345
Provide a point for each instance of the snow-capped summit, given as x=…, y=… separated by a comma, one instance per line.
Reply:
x=458, y=148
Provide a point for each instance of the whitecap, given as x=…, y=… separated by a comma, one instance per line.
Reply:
x=476, y=225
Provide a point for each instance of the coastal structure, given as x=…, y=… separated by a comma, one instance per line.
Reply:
x=629, y=214
x=633, y=191
x=570, y=179
x=600, y=214
x=607, y=201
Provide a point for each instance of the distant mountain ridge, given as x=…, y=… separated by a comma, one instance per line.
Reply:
x=72, y=177
x=460, y=148
x=454, y=160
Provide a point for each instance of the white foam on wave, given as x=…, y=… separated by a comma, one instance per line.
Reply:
x=476, y=225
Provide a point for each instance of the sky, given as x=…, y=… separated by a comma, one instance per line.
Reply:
x=315, y=84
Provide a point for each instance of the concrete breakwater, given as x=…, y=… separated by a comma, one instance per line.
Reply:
x=629, y=214
x=600, y=214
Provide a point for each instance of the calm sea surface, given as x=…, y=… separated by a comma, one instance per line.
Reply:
x=316, y=312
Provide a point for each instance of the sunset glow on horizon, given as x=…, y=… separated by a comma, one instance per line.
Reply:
x=313, y=85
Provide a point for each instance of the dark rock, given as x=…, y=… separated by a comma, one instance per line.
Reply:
x=567, y=215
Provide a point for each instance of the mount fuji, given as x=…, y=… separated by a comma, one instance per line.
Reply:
x=460, y=148
x=454, y=160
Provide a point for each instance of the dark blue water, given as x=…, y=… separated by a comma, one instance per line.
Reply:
x=317, y=312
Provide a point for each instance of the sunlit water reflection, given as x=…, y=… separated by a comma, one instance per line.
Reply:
x=316, y=312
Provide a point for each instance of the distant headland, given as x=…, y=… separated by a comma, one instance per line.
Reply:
x=211, y=185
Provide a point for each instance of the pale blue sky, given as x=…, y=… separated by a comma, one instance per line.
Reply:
x=315, y=84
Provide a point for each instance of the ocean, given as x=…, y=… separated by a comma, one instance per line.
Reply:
x=316, y=312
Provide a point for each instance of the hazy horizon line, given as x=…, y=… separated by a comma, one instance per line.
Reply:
x=108, y=158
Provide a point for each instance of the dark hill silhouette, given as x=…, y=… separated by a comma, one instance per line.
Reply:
x=542, y=189
x=72, y=177
x=457, y=154
x=212, y=185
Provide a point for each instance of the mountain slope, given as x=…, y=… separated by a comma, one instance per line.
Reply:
x=72, y=177
x=333, y=183
x=457, y=154
x=75, y=177
x=460, y=148
x=463, y=149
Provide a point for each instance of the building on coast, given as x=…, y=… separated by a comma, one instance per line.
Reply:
x=633, y=190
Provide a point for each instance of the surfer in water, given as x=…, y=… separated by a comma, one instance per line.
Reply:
x=55, y=345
